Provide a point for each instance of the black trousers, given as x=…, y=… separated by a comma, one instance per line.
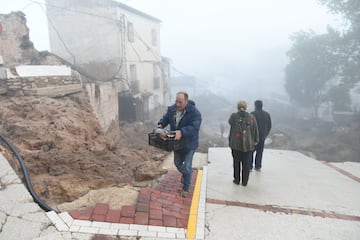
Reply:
x=259, y=149
x=241, y=164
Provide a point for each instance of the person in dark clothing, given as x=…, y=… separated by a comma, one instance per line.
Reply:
x=263, y=120
x=185, y=119
x=242, y=138
x=222, y=130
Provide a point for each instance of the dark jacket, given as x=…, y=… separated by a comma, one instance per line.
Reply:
x=263, y=120
x=189, y=124
x=243, y=132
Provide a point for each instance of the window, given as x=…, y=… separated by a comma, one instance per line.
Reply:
x=134, y=83
x=130, y=27
x=156, y=76
x=133, y=76
x=153, y=37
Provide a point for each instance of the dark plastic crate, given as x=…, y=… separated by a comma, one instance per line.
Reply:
x=168, y=144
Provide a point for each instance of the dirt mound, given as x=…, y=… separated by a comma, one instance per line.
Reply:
x=115, y=197
x=66, y=151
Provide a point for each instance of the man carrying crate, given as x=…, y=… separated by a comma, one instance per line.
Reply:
x=185, y=119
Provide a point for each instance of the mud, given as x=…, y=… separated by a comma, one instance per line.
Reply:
x=66, y=151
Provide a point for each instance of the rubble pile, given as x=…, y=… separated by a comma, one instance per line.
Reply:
x=66, y=151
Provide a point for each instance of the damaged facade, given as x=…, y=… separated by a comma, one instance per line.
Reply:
x=117, y=46
x=41, y=80
x=25, y=71
x=15, y=47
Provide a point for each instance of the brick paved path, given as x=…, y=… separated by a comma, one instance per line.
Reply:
x=159, y=206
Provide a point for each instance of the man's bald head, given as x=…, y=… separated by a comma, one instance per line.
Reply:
x=182, y=99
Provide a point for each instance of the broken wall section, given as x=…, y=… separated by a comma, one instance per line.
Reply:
x=41, y=80
x=24, y=70
x=16, y=47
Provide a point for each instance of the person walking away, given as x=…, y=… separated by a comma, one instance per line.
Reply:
x=242, y=138
x=222, y=130
x=185, y=119
x=263, y=120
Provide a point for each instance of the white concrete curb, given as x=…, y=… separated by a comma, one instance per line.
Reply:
x=65, y=223
x=200, y=225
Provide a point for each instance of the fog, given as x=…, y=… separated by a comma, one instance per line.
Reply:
x=233, y=44
x=232, y=47
x=238, y=50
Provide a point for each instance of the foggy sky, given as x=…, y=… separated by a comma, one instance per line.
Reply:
x=229, y=43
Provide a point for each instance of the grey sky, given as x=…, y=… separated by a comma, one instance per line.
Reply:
x=229, y=28
x=224, y=40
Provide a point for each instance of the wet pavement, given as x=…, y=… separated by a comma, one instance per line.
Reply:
x=292, y=197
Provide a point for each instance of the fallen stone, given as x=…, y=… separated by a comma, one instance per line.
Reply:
x=116, y=198
x=148, y=171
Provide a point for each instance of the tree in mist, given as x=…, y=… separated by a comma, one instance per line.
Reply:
x=325, y=67
x=312, y=66
x=347, y=48
x=339, y=96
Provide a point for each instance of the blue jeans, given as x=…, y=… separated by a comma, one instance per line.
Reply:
x=183, y=162
x=259, y=148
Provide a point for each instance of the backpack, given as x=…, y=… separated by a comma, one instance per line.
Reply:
x=242, y=125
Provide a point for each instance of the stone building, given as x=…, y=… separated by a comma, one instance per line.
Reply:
x=119, y=47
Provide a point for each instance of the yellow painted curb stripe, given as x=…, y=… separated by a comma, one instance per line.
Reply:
x=191, y=226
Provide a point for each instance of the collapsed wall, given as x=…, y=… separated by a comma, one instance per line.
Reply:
x=16, y=49
x=41, y=80
x=64, y=146
x=24, y=70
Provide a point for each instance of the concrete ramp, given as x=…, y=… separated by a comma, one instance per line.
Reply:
x=292, y=197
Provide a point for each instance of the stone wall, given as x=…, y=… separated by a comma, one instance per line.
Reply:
x=52, y=86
